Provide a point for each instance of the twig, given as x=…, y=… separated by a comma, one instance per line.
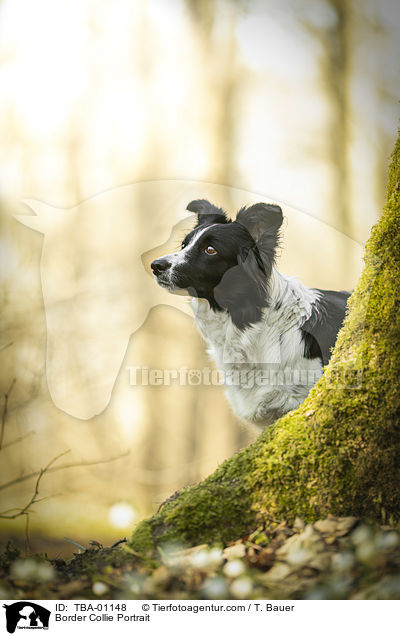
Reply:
x=6, y=346
x=114, y=545
x=4, y=414
x=27, y=542
x=18, y=439
x=3, y=513
x=34, y=499
x=18, y=480
x=13, y=513
x=81, y=547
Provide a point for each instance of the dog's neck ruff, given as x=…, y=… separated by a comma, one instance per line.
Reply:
x=289, y=301
x=272, y=346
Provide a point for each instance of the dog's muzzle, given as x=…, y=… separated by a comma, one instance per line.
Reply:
x=160, y=265
x=161, y=269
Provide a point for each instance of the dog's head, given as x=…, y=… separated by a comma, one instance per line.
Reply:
x=228, y=263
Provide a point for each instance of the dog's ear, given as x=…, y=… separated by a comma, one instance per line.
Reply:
x=207, y=213
x=261, y=219
x=263, y=222
x=242, y=290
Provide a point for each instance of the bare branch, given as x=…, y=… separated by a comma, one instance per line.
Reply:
x=9, y=344
x=114, y=545
x=4, y=514
x=27, y=542
x=34, y=498
x=4, y=414
x=18, y=439
x=22, y=478
x=14, y=513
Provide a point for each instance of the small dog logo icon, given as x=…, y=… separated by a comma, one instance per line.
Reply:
x=26, y=615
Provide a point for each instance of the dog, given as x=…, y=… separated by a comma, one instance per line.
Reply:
x=269, y=334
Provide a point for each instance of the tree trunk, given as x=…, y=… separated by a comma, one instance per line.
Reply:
x=339, y=452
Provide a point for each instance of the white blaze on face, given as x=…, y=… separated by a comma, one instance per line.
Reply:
x=183, y=256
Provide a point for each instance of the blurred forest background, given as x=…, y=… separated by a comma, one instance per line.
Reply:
x=292, y=101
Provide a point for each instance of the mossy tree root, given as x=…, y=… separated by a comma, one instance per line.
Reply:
x=339, y=452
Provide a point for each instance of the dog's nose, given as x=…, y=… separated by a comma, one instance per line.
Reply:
x=160, y=265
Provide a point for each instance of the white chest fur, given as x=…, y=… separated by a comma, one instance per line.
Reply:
x=265, y=371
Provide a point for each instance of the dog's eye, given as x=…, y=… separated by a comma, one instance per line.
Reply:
x=210, y=250
x=183, y=245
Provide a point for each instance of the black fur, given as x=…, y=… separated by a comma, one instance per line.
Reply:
x=248, y=247
x=320, y=330
x=207, y=213
x=235, y=278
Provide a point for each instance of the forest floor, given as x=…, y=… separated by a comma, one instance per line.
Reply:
x=334, y=558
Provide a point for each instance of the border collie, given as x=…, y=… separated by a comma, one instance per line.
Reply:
x=268, y=333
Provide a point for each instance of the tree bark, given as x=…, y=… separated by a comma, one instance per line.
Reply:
x=339, y=452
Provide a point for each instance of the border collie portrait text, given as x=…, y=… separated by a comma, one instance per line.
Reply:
x=251, y=315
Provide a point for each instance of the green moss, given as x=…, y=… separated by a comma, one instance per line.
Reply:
x=95, y=562
x=339, y=452
x=143, y=542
